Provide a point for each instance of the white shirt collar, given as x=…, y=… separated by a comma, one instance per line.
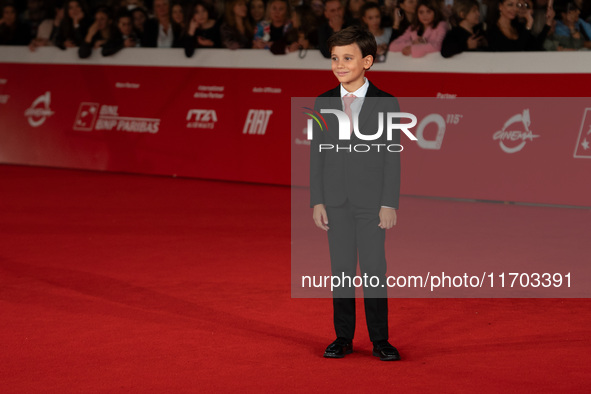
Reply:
x=361, y=92
x=165, y=37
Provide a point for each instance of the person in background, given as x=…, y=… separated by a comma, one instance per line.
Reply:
x=572, y=32
x=98, y=33
x=539, y=14
x=203, y=30
x=35, y=14
x=139, y=17
x=13, y=31
x=426, y=33
x=305, y=22
x=526, y=12
x=236, y=30
x=130, y=5
x=585, y=8
x=317, y=7
x=161, y=32
x=74, y=26
x=507, y=34
x=524, y=7
x=178, y=15
x=446, y=7
x=256, y=11
x=387, y=8
x=467, y=33
x=404, y=15
x=353, y=12
x=123, y=37
x=334, y=15
x=371, y=19
x=302, y=34
x=279, y=22
x=47, y=31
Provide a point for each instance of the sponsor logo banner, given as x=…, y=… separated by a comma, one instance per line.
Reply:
x=583, y=147
x=40, y=110
x=93, y=116
x=515, y=133
x=201, y=119
x=209, y=92
x=256, y=121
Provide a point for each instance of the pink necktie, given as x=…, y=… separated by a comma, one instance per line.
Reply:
x=348, y=100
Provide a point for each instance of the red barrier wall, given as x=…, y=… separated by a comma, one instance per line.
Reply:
x=232, y=122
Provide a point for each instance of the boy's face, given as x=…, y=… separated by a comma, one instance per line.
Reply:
x=349, y=65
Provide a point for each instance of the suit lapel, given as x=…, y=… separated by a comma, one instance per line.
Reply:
x=334, y=102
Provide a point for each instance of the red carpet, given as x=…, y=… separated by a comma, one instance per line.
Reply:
x=121, y=283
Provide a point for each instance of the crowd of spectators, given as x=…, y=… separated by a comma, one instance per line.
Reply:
x=412, y=27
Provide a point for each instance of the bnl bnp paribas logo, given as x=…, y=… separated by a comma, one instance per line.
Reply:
x=583, y=147
x=346, y=131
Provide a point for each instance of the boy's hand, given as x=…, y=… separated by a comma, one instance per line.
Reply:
x=320, y=217
x=387, y=218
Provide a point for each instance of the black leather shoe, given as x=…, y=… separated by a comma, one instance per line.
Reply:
x=339, y=348
x=385, y=351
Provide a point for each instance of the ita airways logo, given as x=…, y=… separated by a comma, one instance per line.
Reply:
x=201, y=119
x=583, y=147
x=257, y=121
x=40, y=110
x=515, y=133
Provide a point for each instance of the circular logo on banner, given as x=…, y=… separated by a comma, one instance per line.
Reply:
x=39, y=111
x=511, y=139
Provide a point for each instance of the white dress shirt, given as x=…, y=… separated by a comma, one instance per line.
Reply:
x=360, y=97
x=165, y=37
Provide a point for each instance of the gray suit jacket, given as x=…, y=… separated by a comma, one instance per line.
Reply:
x=365, y=179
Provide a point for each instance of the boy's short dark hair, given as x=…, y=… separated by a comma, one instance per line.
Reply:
x=355, y=35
